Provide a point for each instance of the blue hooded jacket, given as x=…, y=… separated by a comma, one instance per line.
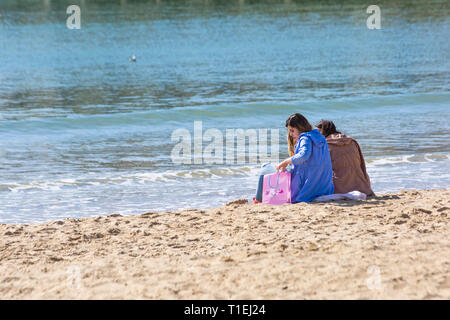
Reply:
x=312, y=174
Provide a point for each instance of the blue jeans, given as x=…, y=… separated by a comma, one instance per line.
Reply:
x=259, y=189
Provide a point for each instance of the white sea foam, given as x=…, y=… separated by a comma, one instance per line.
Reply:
x=411, y=158
x=198, y=176
x=131, y=179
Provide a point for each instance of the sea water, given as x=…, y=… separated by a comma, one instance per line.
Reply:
x=84, y=131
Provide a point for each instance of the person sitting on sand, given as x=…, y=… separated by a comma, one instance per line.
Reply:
x=349, y=167
x=312, y=174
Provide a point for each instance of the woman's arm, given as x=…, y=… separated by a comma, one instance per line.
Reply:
x=303, y=154
x=282, y=166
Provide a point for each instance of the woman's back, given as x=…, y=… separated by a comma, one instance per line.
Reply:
x=349, y=168
x=312, y=175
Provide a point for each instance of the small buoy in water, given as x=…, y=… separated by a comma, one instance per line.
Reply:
x=133, y=58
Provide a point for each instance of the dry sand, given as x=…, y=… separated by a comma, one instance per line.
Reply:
x=390, y=247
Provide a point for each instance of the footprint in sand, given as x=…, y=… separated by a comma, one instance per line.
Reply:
x=421, y=210
x=114, y=231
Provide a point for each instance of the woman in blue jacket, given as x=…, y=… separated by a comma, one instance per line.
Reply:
x=312, y=173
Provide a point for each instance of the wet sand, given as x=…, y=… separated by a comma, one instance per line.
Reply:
x=394, y=246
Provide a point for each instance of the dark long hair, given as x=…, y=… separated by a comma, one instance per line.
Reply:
x=298, y=121
x=327, y=127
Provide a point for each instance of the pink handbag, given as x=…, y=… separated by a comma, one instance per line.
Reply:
x=277, y=188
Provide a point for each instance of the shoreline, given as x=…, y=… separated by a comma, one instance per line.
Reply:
x=391, y=246
x=49, y=200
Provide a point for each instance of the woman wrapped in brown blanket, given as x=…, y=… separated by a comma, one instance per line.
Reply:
x=349, y=167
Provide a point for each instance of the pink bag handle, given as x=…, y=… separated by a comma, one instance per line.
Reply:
x=278, y=178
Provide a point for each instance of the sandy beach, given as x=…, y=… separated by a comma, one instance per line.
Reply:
x=394, y=246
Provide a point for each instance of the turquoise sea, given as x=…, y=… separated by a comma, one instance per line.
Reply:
x=84, y=131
